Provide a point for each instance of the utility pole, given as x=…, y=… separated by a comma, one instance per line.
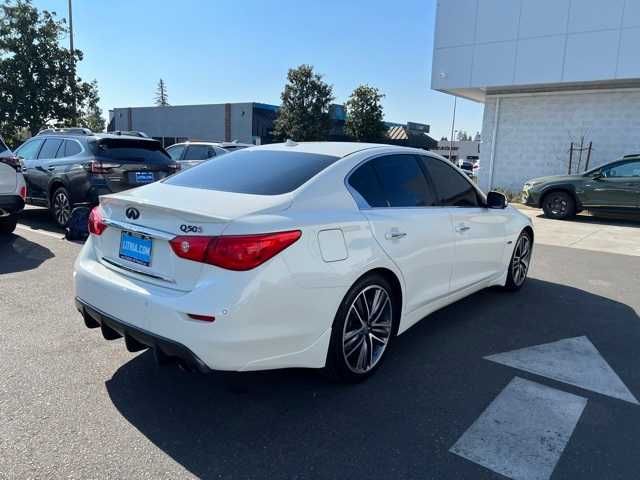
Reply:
x=453, y=123
x=73, y=63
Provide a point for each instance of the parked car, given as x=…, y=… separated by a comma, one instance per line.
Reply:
x=72, y=167
x=319, y=261
x=469, y=167
x=13, y=189
x=190, y=154
x=613, y=188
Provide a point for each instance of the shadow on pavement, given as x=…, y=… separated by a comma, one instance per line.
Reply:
x=39, y=219
x=17, y=254
x=602, y=219
x=398, y=424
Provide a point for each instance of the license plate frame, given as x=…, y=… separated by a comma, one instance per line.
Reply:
x=136, y=248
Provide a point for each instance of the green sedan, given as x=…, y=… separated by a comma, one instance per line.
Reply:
x=613, y=188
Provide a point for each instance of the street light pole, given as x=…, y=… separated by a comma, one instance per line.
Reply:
x=73, y=62
x=453, y=123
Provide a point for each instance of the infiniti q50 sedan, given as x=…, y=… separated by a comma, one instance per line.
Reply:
x=294, y=255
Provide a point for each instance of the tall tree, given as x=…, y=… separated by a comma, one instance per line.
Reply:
x=91, y=117
x=304, y=113
x=365, y=114
x=37, y=76
x=162, y=99
x=463, y=136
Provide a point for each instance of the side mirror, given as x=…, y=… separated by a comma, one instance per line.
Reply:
x=496, y=200
x=598, y=175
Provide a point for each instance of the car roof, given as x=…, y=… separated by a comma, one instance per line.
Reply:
x=336, y=149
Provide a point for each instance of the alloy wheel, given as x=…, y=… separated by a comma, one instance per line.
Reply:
x=558, y=205
x=521, y=259
x=367, y=329
x=61, y=208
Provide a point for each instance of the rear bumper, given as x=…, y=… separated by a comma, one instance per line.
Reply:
x=169, y=348
x=11, y=204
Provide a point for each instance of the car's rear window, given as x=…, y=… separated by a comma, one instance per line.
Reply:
x=257, y=172
x=132, y=151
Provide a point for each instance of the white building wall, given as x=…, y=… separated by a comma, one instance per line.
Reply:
x=535, y=132
x=483, y=44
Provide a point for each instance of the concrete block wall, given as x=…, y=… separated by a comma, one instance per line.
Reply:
x=535, y=132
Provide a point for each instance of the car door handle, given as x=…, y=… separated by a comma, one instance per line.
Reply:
x=395, y=235
x=462, y=228
x=51, y=168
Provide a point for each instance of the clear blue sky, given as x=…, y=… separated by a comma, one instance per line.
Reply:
x=214, y=51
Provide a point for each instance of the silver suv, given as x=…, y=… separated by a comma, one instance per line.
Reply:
x=13, y=189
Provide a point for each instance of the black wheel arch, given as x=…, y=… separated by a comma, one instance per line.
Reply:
x=54, y=185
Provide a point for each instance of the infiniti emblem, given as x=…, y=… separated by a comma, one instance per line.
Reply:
x=132, y=213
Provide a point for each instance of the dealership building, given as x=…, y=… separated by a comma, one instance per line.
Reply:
x=550, y=73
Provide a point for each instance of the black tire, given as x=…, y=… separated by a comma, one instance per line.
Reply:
x=60, y=206
x=8, y=224
x=381, y=324
x=559, y=205
x=519, y=263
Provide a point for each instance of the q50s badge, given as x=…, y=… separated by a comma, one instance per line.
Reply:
x=190, y=228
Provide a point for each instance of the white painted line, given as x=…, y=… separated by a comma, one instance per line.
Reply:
x=575, y=361
x=523, y=432
x=59, y=236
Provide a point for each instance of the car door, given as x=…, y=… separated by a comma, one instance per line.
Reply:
x=399, y=203
x=480, y=233
x=615, y=186
x=46, y=165
x=28, y=152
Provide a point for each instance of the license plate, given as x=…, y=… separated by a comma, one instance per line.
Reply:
x=136, y=248
x=144, y=177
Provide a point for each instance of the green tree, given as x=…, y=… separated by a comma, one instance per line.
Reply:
x=365, y=114
x=162, y=99
x=38, y=84
x=304, y=113
x=91, y=117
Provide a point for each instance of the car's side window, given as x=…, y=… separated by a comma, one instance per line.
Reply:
x=197, y=152
x=453, y=188
x=175, y=152
x=50, y=148
x=29, y=150
x=365, y=183
x=403, y=181
x=71, y=148
x=623, y=170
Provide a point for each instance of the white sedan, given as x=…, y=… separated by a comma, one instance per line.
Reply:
x=294, y=255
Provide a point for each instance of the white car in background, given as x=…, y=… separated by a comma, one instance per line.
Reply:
x=294, y=255
x=13, y=189
x=190, y=154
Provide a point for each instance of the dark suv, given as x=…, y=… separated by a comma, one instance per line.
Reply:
x=612, y=189
x=72, y=167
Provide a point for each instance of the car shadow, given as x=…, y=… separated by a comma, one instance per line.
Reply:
x=38, y=218
x=400, y=423
x=602, y=219
x=17, y=254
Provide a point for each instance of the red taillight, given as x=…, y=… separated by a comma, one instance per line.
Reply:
x=234, y=252
x=96, y=222
x=99, y=168
x=23, y=192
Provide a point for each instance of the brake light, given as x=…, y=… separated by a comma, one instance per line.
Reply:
x=23, y=192
x=99, y=168
x=96, y=222
x=234, y=252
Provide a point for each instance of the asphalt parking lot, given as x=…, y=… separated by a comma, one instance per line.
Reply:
x=74, y=405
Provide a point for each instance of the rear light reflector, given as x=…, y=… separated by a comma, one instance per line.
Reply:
x=202, y=318
x=23, y=192
x=96, y=222
x=234, y=252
